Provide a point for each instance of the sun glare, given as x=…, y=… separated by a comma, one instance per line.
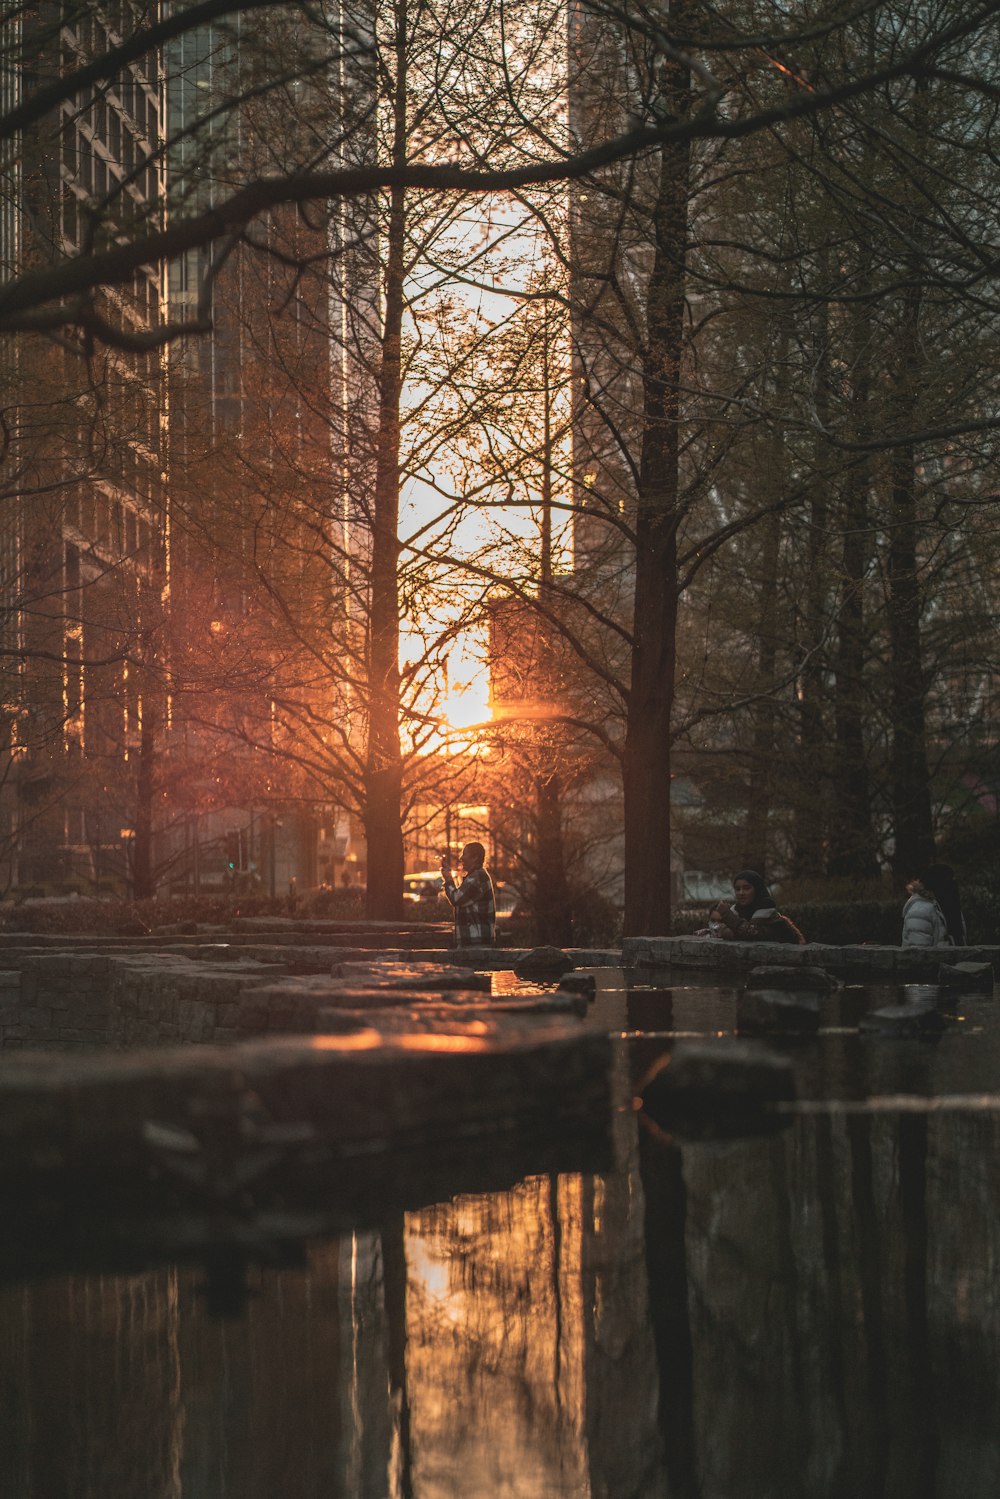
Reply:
x=468, y=704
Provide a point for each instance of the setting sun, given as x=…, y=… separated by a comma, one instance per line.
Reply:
x=467, y=705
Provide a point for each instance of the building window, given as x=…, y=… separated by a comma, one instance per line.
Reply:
x=71, y=225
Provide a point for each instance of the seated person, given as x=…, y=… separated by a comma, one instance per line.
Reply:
x=924, y=923
x=752, y=917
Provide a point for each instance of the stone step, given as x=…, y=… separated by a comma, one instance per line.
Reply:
x=83, y=1117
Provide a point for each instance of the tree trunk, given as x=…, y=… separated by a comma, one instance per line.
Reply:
x=761, y=787
x=810, y=824
x=810, y=810
x=143, y=885
x=394, y=1268
x=647, y=759
x=913, y=823
x=552, y=904
x=912, y=818
x=384, y=766
x=552, y=914
x=852, y=836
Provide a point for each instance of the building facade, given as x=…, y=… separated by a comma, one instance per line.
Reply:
x=83, y=553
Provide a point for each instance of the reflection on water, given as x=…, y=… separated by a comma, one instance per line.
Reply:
x=810, y=1314
x=813, y=1314
x=840, y=1062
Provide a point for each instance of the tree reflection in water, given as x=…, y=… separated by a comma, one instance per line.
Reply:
x=815, y=1313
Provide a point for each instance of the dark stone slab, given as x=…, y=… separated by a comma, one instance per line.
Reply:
x=579, y=983
x=718, y=1088
x=763, y=1011
x=916, y=1019
x=543, y=963
x=967, y=976
x=855, y=963
x=802, y=979
x=383, y=974
x=81, y=1120
x=118, y=1163
x=307, y=1005
x=505, y=1018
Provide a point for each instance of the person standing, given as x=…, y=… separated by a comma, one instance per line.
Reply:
x=924, y=924
x=473, y=900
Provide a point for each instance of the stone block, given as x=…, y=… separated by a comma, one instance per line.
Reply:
x=35, y=1016
x=253, y=1013
x=636, y=951
x=967, y=976
x=702, y=951
x=195, y=1021
x=907, y=1020
x=760, y=1011
x=394, y=975
x=543, y=964
x=718, y=1088
x=878, y=960
x=807, y=978
x=578, y=983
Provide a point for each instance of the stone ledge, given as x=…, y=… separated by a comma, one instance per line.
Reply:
x=854, y=962
x=62, y=1114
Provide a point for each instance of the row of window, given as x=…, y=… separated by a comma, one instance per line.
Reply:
x=73, y=219
x=95, y=173
x=83, y=157
x=112, y=525
x=129, y=94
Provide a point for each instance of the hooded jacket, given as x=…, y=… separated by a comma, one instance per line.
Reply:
x=760, y=921
x=923, y=922
x=760, y=924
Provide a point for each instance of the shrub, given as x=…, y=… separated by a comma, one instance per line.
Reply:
x=848, y=921
x=834, y=921
x=596, y=921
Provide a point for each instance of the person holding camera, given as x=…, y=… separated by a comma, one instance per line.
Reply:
x=473, y=900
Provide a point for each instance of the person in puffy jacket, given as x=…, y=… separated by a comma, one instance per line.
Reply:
x=923, y=920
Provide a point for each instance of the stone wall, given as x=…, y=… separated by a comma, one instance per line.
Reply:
x=857, y=964
x=77, y=1001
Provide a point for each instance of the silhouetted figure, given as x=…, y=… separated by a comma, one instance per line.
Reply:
x=473, y=900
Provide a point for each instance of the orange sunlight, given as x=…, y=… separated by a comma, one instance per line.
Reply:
x=467, y=703
x=366, y=1040
x=428, y=1041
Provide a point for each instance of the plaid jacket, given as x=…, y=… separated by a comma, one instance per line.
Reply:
x=475, y=909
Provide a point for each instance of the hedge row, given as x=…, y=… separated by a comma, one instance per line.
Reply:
x=851, y=922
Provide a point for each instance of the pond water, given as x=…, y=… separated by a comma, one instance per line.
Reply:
x=810, y=1312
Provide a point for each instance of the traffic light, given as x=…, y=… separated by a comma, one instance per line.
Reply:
x=234, y=850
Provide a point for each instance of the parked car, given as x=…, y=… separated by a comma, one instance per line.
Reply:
x=508, y=901
x=425, y=886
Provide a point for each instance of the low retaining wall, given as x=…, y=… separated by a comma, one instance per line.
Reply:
x=123, y=1159
x=78, y=1001
x=857, y=964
